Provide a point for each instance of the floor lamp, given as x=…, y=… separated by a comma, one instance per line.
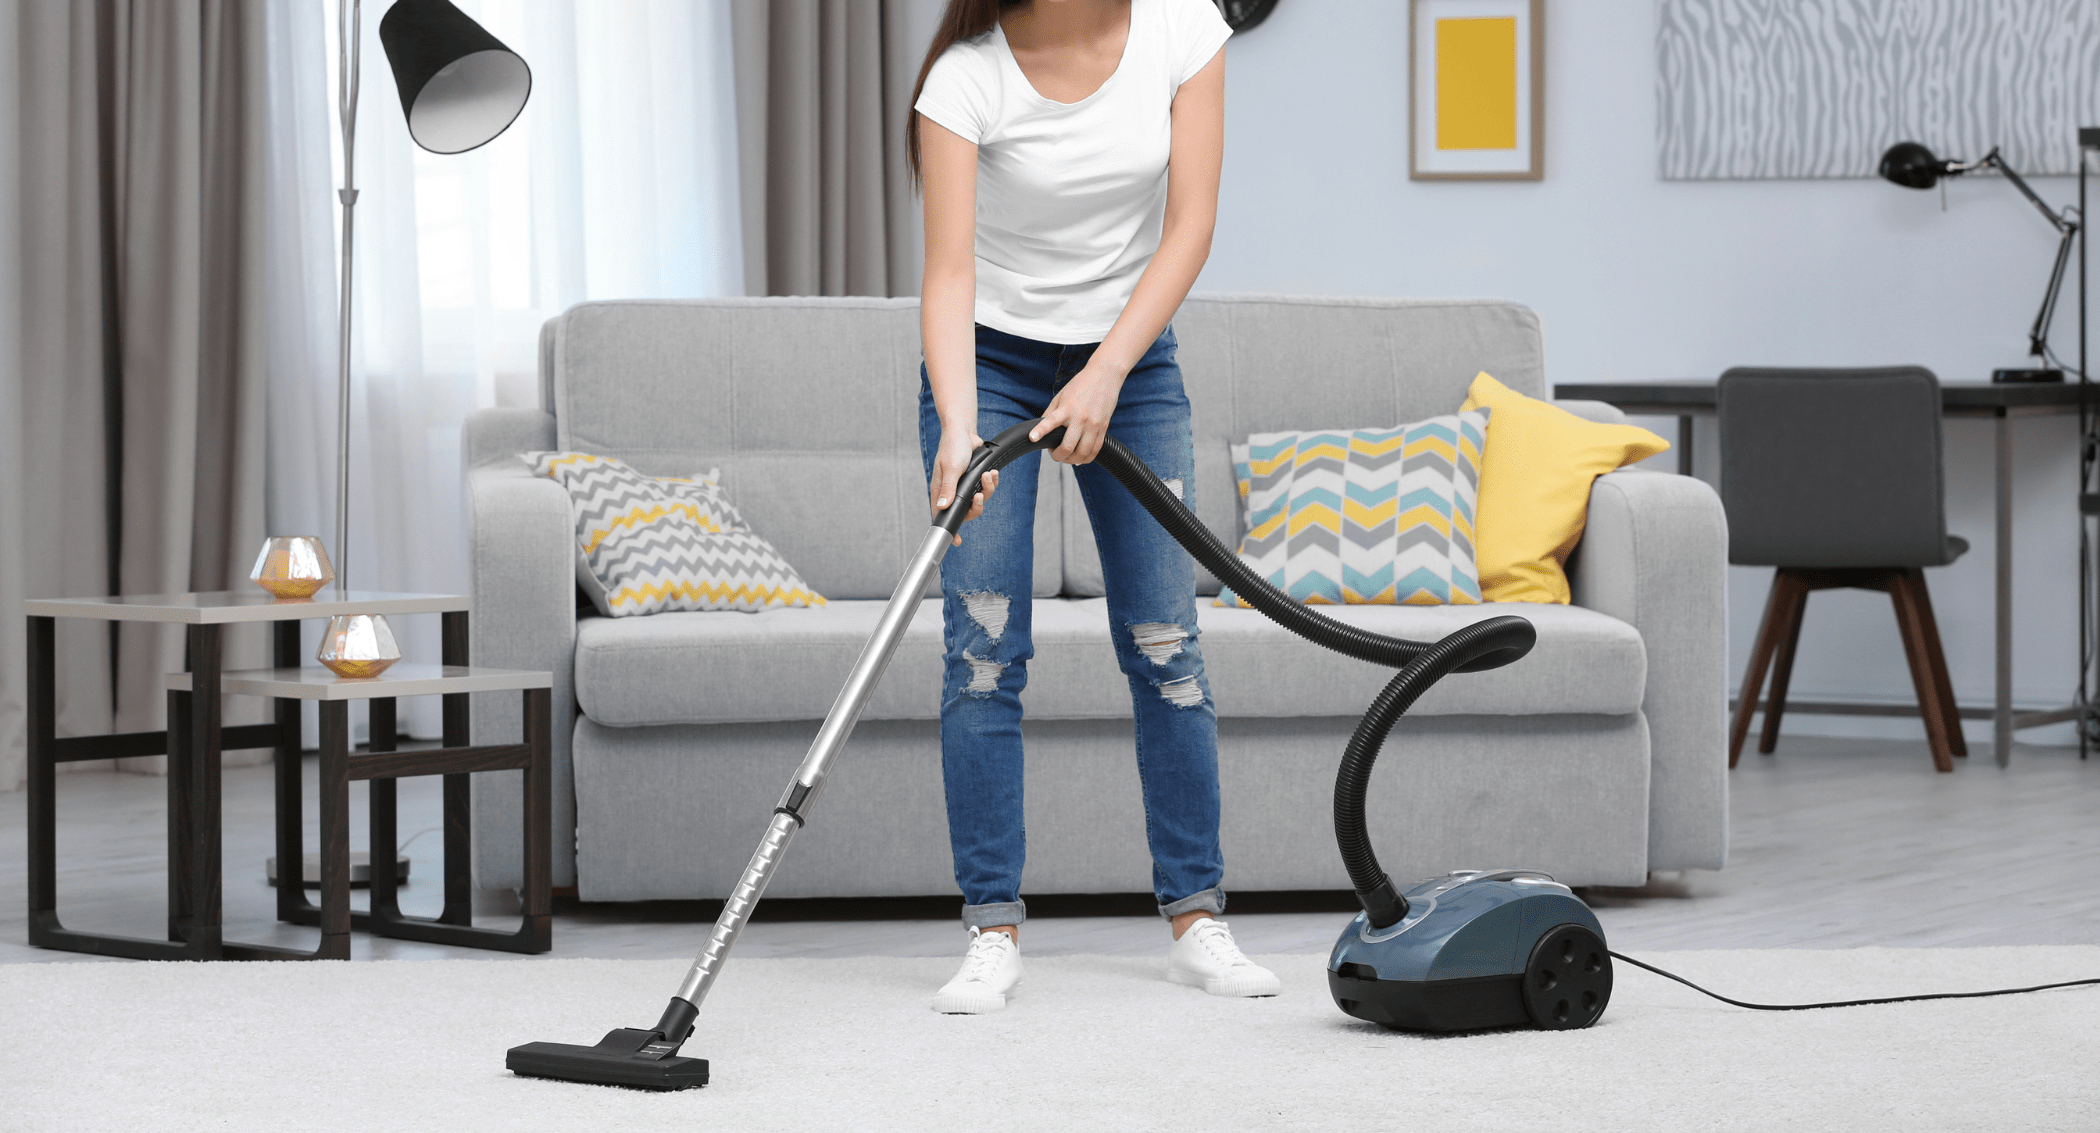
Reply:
x=460, y=87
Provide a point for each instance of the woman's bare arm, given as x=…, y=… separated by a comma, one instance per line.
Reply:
x=1085, y=404
x=948, y=304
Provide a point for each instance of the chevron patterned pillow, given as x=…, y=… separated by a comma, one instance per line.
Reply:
x=650, y=544
x=1363, y=516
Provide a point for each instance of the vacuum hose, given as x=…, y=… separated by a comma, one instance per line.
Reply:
x=1483, y=645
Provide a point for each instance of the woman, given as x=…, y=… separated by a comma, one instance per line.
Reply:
x=1068, y=152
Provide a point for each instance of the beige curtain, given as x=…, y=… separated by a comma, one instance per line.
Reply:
x=133, y=386
x=822, y=89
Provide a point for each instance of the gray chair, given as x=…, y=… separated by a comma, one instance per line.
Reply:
x=1834, y=477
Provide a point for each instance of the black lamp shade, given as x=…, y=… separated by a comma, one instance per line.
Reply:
x=1912, y=166
x=460, y=87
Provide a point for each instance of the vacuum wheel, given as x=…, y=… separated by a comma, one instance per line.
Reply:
x=1568, y=981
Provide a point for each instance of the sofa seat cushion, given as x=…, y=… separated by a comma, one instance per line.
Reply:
x=1584, y=662
x=788, y=664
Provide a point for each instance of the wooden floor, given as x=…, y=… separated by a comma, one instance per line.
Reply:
x=1837, y=844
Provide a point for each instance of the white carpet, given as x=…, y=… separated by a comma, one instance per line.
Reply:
x=1089, y=1042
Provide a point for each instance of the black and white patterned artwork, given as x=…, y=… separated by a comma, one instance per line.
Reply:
x=1819, y=88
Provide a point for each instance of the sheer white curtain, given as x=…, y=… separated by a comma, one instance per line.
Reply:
x=619, y=181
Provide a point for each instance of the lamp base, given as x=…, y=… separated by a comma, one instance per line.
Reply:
x=2010, y=377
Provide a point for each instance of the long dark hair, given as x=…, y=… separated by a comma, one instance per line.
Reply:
x=964, y=19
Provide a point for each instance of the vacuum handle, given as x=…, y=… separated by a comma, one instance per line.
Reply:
x=1000, y=451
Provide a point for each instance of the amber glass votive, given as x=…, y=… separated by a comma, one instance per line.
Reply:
x=292, y=566
x=357, y=646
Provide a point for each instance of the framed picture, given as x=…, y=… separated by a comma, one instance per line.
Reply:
x=1476, y=90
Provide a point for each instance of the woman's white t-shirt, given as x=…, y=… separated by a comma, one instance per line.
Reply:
x=1070, y=196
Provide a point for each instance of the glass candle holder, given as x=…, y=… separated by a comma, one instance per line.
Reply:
x=357, y=646
x=292, y=566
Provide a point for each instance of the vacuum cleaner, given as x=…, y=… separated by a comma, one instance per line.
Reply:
x=1472, y=950
x=1447, y=954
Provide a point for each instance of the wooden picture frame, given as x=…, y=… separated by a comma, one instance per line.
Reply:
x=1484, y=120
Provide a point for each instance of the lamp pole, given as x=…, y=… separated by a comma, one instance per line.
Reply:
x=353, y=646
x=348, y=17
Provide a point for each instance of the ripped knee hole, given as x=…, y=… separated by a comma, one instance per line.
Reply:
x=1182, y=692
x=984, y=674
x=1159, y=642
x=989, y=609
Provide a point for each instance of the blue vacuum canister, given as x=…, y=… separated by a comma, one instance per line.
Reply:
x=1475, y=950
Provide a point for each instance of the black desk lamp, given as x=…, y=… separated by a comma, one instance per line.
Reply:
x=1912, y=166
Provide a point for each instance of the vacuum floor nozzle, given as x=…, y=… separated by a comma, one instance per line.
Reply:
x=622, y=1058
x=637, y=1059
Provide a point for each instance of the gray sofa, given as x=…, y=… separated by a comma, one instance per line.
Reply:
x=1598, y=758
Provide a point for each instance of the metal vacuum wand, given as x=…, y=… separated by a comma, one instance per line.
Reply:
x=794, y=806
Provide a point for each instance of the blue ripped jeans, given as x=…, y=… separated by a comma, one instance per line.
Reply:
x=1151, y=585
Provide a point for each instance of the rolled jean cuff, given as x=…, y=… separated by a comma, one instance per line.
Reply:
x=1210, y=901
x=999, y=913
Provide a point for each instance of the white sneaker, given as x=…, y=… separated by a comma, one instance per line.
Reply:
x=990, y=969
x=1206, y=957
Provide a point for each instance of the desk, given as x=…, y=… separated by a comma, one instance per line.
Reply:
x=1685, y=400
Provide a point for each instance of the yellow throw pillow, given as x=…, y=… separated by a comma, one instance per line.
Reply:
x=1535, y=488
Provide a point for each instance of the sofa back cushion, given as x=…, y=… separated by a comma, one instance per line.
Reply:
x=1262, y=363
x=808, y=406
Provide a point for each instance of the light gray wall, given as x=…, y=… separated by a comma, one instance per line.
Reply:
x=1639, y=279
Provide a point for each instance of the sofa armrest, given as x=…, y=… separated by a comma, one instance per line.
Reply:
x=1602, y=412
x=522, y=579
x=497, y=436
x=1655, y=555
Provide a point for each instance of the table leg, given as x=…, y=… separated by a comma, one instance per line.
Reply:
x=41, y=744
x=2002, y=711
x=335, y=830
x=182, y=807
x=459, y=805
x=291, y=804
x=385, y=826
x=538, y=837
x=1684, y=445
x=202, y=740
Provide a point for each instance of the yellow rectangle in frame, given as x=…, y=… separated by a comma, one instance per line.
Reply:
x=1476, y=83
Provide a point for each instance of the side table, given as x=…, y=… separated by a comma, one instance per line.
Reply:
x=193, y=909
x=456, y=760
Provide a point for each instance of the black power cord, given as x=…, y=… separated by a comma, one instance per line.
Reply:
x=1848, y=1002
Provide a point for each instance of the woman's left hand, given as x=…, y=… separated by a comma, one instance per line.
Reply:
x=1083, y=407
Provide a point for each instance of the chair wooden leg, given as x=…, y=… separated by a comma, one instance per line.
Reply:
x=1950, y=709
x=1754, y=675
x=1930, y=707
x=1783, y=664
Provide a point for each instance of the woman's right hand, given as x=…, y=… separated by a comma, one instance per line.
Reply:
x=949, y=461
